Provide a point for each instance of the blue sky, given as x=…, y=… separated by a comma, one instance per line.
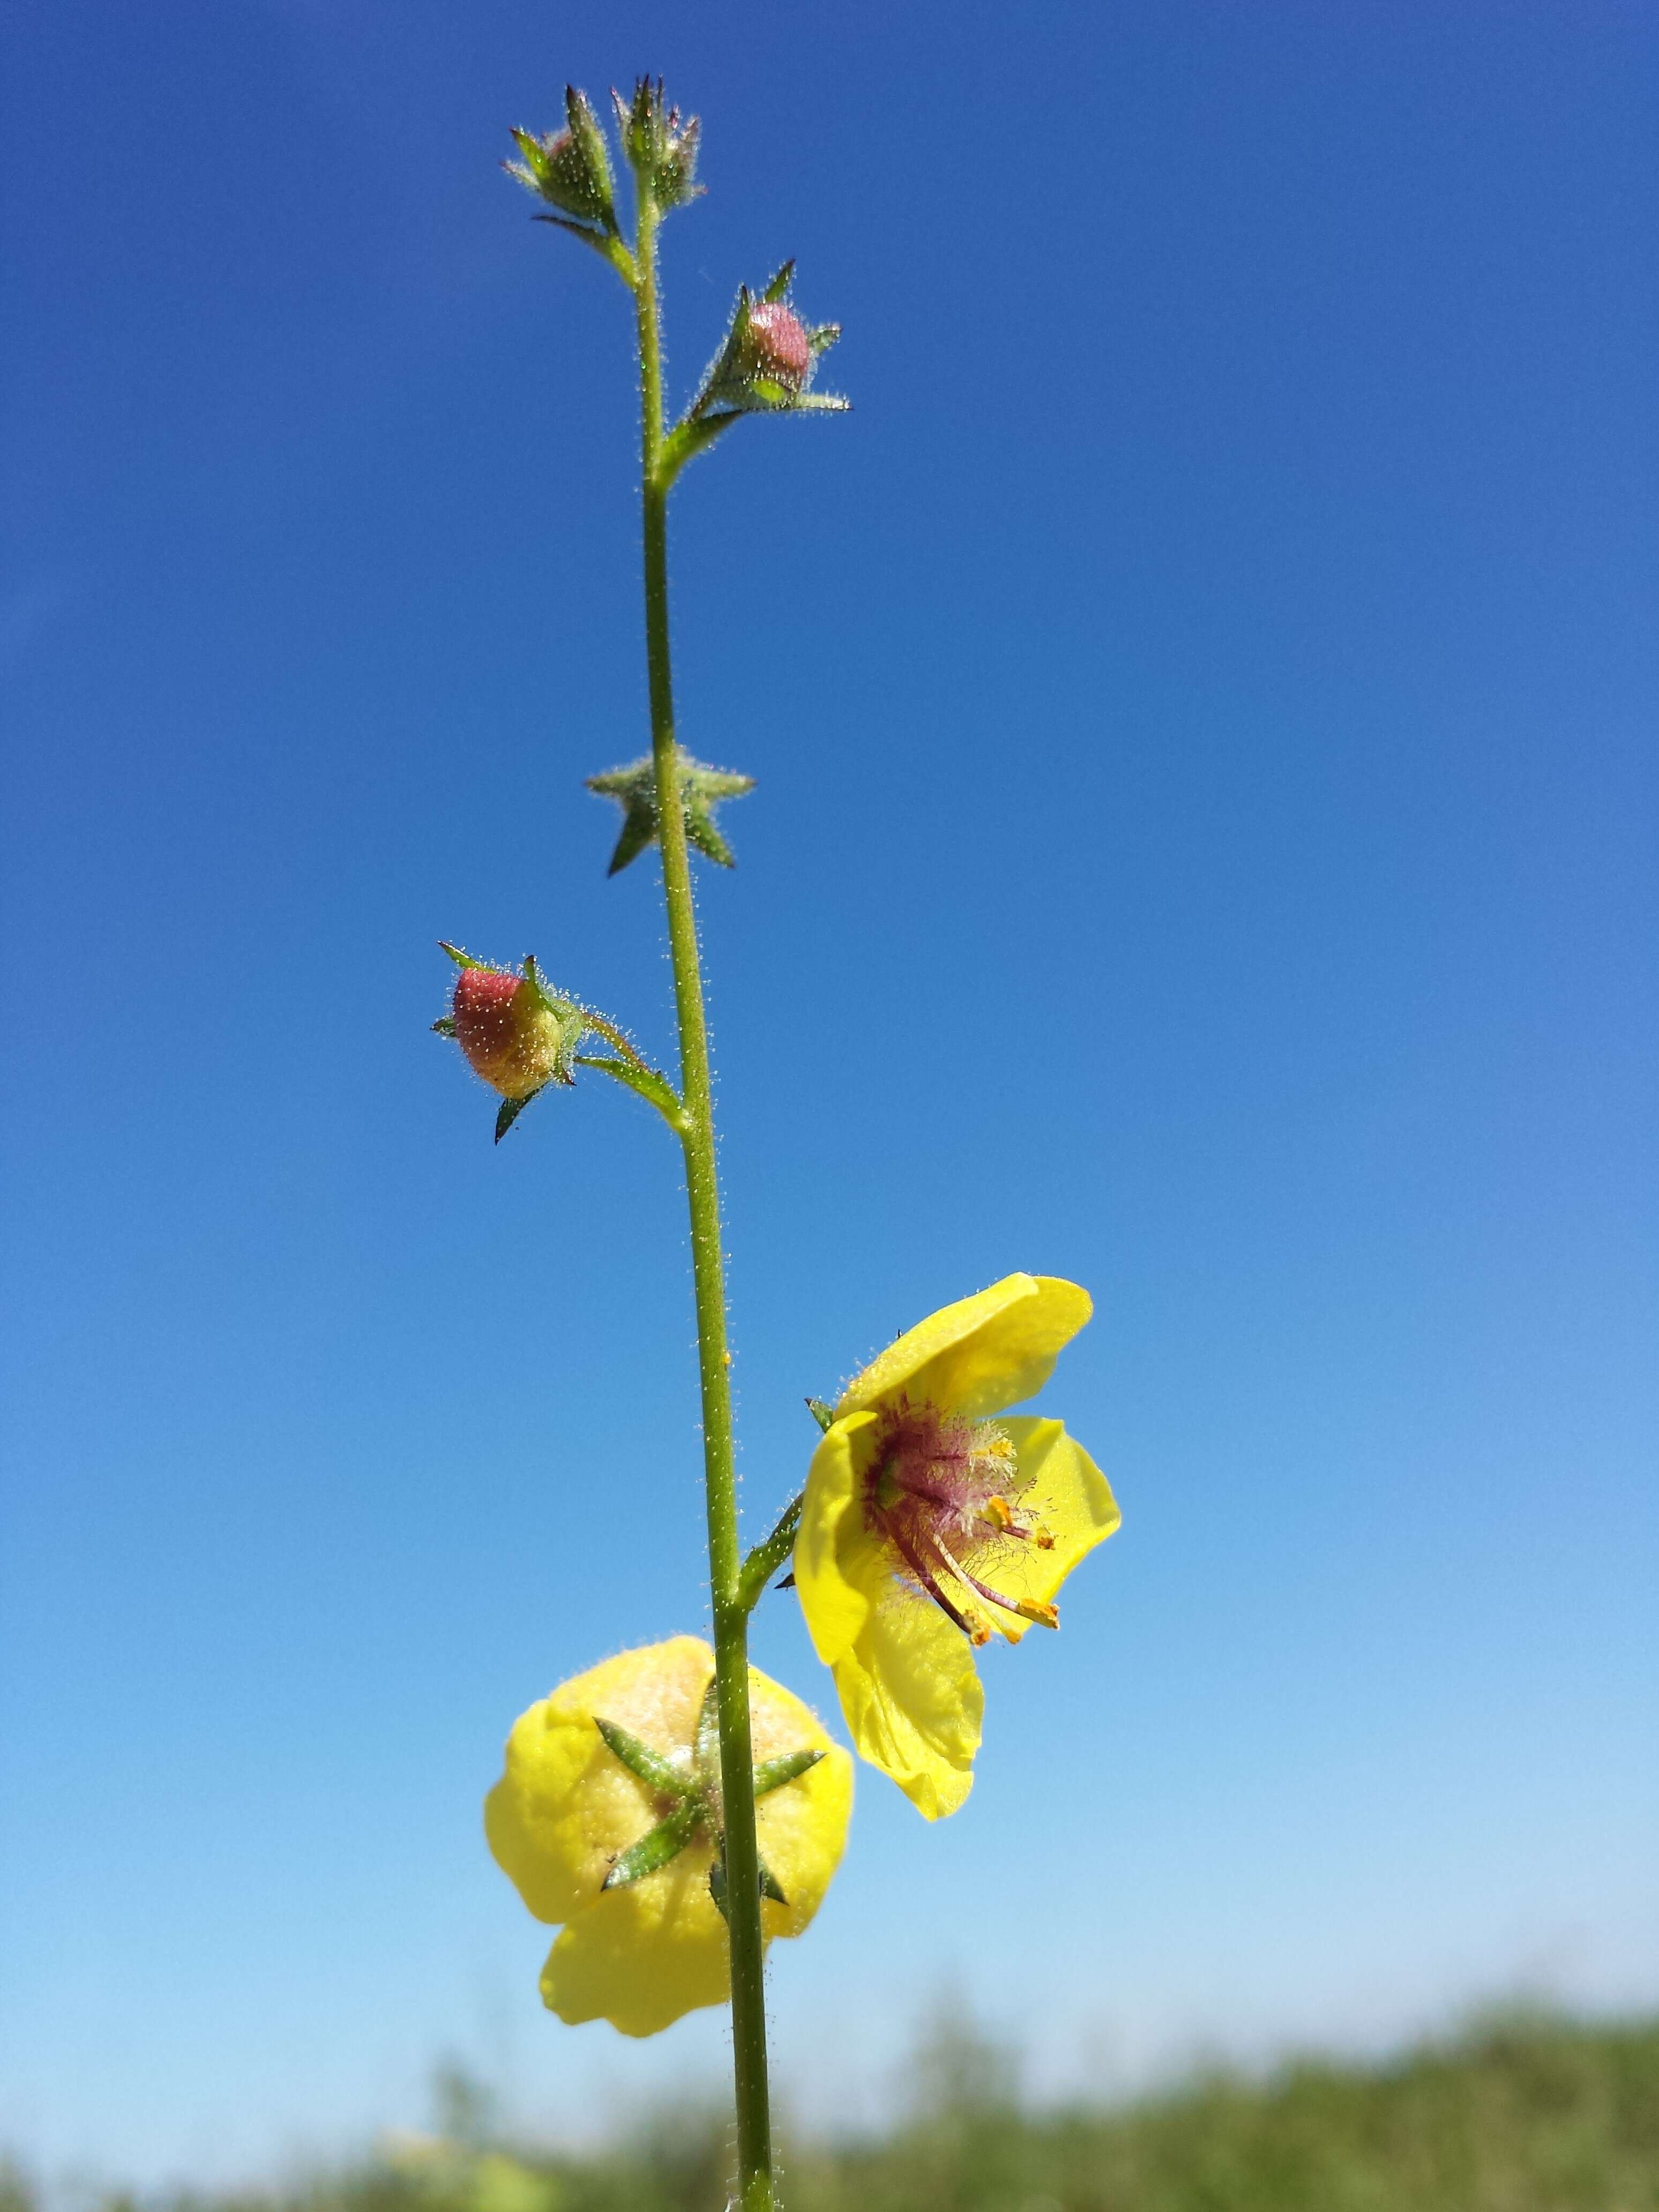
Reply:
x=1202, y=703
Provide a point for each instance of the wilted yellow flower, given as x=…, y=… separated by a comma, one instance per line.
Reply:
x=927, y=1525
x=608, y=1820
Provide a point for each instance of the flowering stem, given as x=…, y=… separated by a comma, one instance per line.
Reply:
x=731, y=1617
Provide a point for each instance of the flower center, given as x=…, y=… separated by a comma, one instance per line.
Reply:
x=942, y=1491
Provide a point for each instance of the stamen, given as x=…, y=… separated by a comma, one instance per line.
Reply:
x=996, y=1513
x=1027, y=1608
x=971, y=1626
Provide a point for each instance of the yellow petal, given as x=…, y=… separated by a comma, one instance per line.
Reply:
x=801, y=1829
x=913, y=1701
x=1059, y=1488
x=641, y=1956
x=566, y=1805
x=835, y=1608
x=981, y=1354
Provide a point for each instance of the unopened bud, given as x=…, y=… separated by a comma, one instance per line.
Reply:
x=661, y=149
x=515, y=1033
x=570, y=168
x=777, y=345
x=766, y=361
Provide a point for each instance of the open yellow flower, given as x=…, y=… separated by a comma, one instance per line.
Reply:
x=607, y=1819
x=927, y=1525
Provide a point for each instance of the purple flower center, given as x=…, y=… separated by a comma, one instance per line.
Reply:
x=943, y=1492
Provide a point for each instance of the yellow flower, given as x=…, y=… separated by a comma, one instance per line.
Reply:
x=926, y=1525
x=607, y=1819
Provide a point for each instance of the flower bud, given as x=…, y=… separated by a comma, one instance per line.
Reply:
x=776, y=344
x=662, y=150
x=513, y=1032
x=570, y=168
x=766, y=361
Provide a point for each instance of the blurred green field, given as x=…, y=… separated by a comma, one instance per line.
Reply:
x=1520, y=2114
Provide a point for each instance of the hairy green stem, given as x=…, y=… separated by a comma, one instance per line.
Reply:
x=708, y=1272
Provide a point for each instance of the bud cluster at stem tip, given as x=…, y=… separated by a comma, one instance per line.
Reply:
x=766, y=359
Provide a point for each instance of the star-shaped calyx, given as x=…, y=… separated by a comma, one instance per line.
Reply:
x=694, y=1812
x=701, y=789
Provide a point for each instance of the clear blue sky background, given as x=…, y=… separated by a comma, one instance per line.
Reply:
x=1203, y=706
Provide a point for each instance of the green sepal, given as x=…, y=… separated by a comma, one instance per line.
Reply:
x=823, y=1415
x=586, y=134
x=766, y=395
x=646, y=1081
x=512, y=1108
x=444, y=1026
x=639, y=830
x=763, y=1562
x=772, y=1773
x=663, y=1843
x=566, y=1009
x=769, y=1884
x=701, y=788
x=573, y=1020
x=701, y=830
x=706, y=1754
x=822, y=338
x=779, y=287
x=461, y=959
x=648, y=1766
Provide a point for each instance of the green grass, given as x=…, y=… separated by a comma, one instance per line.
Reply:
x=1518, y=2115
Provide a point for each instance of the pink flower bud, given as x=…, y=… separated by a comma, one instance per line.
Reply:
x=570, y=168
x=511, y=1035
x=778, y=344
